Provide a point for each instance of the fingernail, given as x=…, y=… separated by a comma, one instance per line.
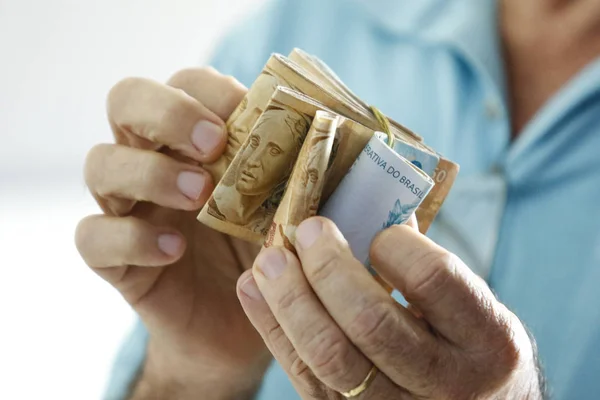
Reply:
x=250, y=289
x=207, y=136
x=170, y=244
x=271, y=262
x=191, y=184
x=308, y=232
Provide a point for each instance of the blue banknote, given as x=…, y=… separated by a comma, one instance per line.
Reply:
x=382, y=188
x=422, y=159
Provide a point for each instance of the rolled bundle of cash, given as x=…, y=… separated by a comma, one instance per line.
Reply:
x=301, y=143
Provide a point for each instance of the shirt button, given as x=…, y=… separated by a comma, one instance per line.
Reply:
x=493, y=109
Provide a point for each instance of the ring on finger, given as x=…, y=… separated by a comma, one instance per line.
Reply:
x=364, y=385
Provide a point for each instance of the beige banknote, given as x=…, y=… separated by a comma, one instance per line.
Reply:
x=302, y=196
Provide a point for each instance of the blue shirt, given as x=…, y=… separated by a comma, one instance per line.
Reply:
x=523, y=214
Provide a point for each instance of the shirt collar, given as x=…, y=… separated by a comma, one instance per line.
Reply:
x=469, y=27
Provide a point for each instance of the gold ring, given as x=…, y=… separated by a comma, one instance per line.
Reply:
x=363, y=386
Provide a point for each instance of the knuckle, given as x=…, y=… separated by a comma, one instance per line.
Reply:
x=230, y=80
x=153, y=171
x=427, y=283
x=509, y=355
x=374, y=327
x=133, y=237
x=299, y=371
x=292, y=299
x=94, y=162
x=385, y=241
x=324, y=261
x=184, y=78
x=122, y=91
x=324, y=266
x=84, y=236
x=180, y=112
x=378, y=331
x=220, y=93
x=298, y=368
x=328, y=354
x=280, y=344
x=209, y=72
x=275, y=335
x=232, y=93
x=131, y=229
x=504, y=339
x=504, y=354
x=192, y=80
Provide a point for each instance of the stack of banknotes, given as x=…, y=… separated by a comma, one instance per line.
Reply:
x=302, y=144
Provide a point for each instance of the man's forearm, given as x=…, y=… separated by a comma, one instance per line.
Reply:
x=162, y=379
x=148, y=388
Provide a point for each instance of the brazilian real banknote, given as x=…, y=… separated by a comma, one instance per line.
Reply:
x=381, y=189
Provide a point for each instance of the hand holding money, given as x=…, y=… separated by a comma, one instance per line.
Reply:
x=177, y=274
x=337, y=333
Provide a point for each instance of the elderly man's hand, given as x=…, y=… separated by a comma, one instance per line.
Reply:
x=177, y=274
x=329, y=323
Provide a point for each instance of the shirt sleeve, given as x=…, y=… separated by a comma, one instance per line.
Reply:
x=127, y=363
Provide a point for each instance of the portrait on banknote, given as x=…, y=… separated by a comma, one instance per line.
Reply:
x=243, y=118
x=253, y=185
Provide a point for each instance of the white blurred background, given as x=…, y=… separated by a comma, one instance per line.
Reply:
x=60, y=325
